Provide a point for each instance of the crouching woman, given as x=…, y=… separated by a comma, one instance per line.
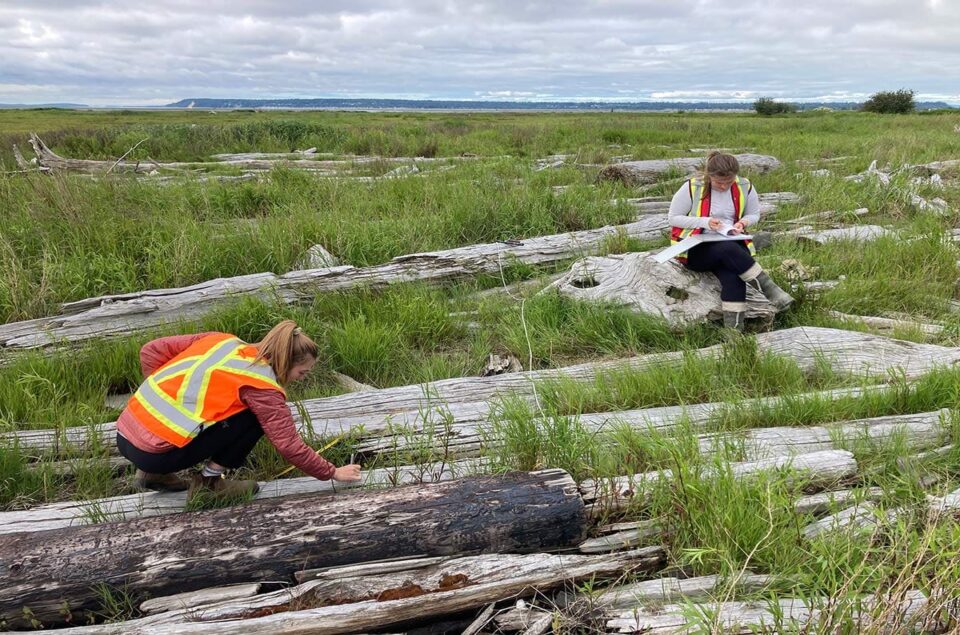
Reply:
x=208, y=398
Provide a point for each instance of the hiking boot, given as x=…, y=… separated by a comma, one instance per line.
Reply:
x=734, y=315
x=220, y=487
x=777, y=296
x=159, y=482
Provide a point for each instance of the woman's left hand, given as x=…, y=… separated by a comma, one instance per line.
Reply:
x=738, y=228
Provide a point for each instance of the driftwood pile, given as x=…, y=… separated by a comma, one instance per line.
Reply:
x=323, y=541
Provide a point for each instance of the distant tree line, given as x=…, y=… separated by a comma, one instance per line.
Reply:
x=884, y=102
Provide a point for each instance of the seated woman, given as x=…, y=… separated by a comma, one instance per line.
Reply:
x=209, y=398
x=721, y=199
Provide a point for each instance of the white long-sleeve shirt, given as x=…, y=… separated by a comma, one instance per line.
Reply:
x=721, y=208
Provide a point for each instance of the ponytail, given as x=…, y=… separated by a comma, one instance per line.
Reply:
x=284, y=347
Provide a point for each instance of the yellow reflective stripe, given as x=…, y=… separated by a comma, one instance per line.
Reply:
x=177, y=369
x=194, y=386
x=165, y=409
x=252, y=374
x=246, y=367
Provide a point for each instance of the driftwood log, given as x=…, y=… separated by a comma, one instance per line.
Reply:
x=468, y=399
x=124, y=314
x=386, y=583
x=130, y=506
x=897, y=614
x=48, y=159
x=865, y=517
x=270, y=540
x=816, y=469
x=668, y=290
x=633, y=173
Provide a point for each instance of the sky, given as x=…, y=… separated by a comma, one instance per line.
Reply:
x=107, y=52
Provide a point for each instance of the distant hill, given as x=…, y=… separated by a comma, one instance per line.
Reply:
x=38, y=106
x=439, y=104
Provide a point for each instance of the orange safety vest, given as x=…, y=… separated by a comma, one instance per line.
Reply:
x=200, y=387
x=700, y=206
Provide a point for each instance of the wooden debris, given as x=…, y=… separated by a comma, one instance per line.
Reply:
x=888, y=326
x=123, y=314
x=633, y=173
x=801, y=615
x=905, y=462
x=823, y=502
x=270, y=540
x=821, y=469
x=858, y=233
x=199, y=597
x=648, y=531
x=668, y=290
x=497, y=365
x=130, y=506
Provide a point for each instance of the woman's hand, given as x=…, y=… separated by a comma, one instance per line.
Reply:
x=347, y=473
x=738, y=228
x=713, y=224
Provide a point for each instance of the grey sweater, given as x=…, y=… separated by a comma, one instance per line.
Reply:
x=721, y=207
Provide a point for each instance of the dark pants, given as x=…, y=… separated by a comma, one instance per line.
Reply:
x=726, y=260
x=227, y=442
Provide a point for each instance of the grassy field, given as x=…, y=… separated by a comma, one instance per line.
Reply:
x=66, y=237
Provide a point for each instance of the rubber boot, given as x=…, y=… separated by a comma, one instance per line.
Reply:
x=219, y=487
x=777, y=296
x=159, y=482
x=734, y=315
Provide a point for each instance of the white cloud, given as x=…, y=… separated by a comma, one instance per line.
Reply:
x=105, y=52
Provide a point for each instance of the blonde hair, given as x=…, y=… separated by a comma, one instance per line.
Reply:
x=284, y=347
x=720, y=164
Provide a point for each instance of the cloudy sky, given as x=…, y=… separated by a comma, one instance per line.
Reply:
x=108, y=52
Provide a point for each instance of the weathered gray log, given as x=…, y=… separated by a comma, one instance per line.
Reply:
x=124, y=314
x=816, y=469
x=668, y=290
x=866, y=517
x=857, y=233
x=649, y=592
x=648, y=532
x=199, y=597
x=270, y=540
x=130, y=506
x=49, y=159
x=823, y=502
x=896, y=615
x=346, y=585
x=769, y=203
x=633, y=173
x=918, y=431
x=887, y=325
x=846, y=352
x=905, y=462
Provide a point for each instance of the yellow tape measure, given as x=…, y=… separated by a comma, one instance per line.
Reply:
x=319, y=452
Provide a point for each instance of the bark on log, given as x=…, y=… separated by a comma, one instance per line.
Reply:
x=896, y=615
x=200, y=597
x=668, y=290
x=633, y=173
x=128, y=507
x=124, y=314
x=816, y=469
x=270, y=540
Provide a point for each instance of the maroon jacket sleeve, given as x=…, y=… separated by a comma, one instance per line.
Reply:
x=156, y=353
x=271, y=410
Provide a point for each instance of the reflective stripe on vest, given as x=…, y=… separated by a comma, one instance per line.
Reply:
x=200, y=387
x=700, y=207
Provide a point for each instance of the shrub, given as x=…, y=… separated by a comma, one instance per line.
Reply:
x=767, y=106
x=900, y=102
